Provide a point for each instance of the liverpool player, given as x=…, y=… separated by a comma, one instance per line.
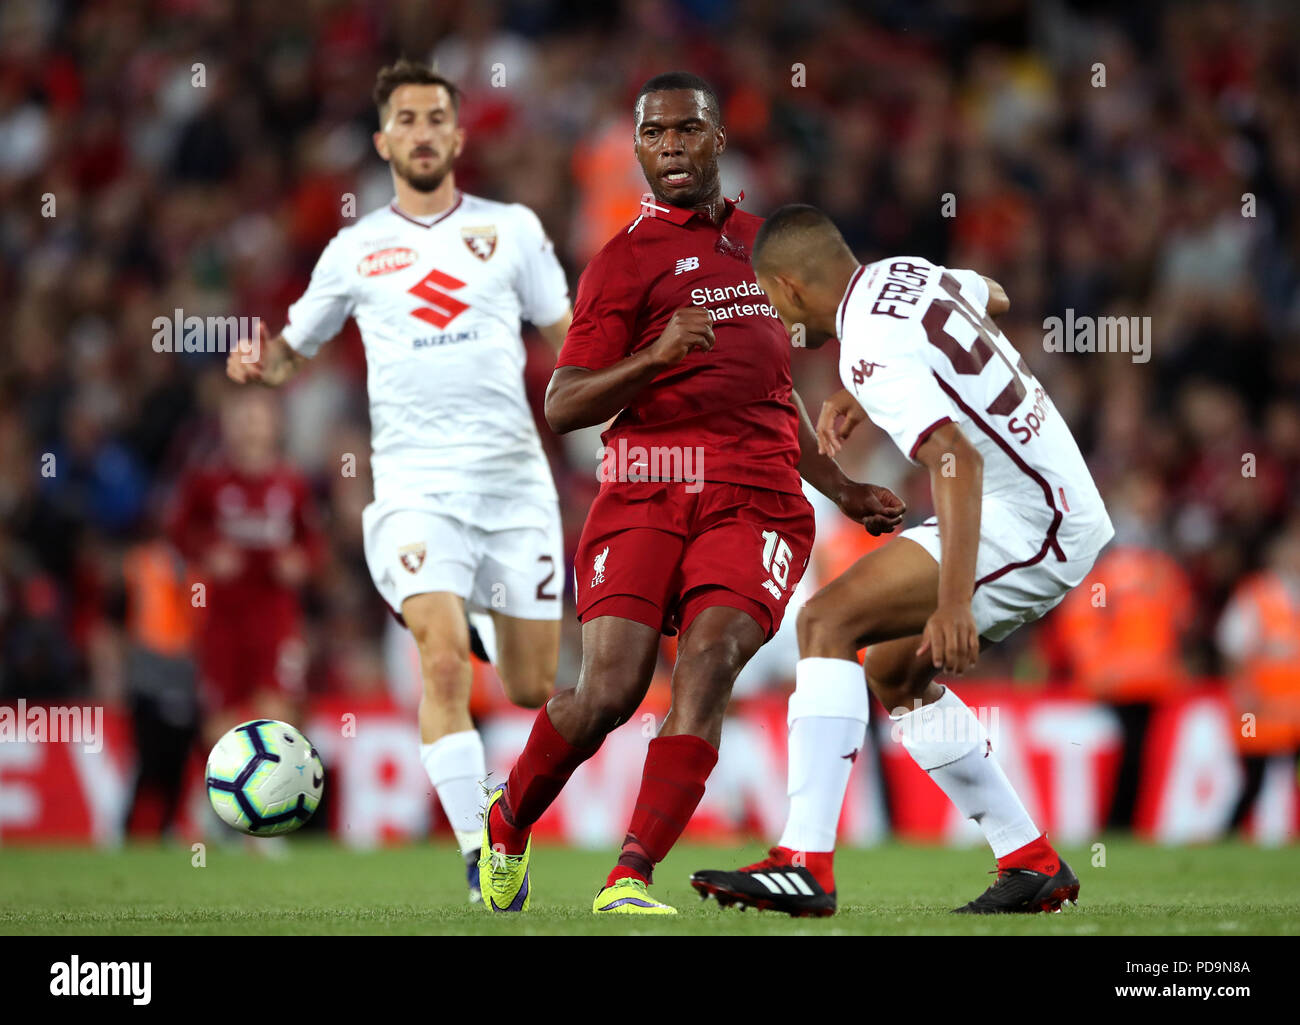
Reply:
x=1018, y=523
x=247, y=524
x=465, y=510
x=673, y=338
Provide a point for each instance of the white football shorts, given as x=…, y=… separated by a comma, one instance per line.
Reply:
x=500, y=554
x=1013, y=586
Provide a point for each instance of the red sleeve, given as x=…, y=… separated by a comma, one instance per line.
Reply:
x=605, y=312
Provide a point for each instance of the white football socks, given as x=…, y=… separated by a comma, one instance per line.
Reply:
x=950, y=743
x=828, y=723
x=457, y=767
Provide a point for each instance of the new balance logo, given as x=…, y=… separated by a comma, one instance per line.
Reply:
x=690, y=263
x=784, y=882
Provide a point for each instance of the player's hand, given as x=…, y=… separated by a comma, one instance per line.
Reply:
x=241, y=366
x=688, y=328
x=839, y=416
x=223, y=561
x=292, y=567
x=876, y=508
x=951, y=639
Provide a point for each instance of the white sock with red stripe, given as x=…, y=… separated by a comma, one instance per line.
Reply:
x=950, y=743
x=457, y=767
x=828, y=724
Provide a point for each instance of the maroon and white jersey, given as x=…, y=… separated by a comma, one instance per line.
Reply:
x=438, y=301
x=918, y=349
x=732, y=403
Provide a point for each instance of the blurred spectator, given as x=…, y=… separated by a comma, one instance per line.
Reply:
x=1259, y=636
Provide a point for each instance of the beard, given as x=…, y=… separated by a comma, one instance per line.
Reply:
x=422, y=181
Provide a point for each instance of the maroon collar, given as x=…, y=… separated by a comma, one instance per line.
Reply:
x=437, y=220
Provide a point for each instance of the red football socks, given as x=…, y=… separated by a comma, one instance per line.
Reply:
x=672, y=784
x=539, y=774
x=1037, y=855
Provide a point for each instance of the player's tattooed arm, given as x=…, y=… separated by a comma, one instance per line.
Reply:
x=554, y=333
x=269, y=361
x=998, y=302
x=578, y=397
x=957, y=482
x=876, y=508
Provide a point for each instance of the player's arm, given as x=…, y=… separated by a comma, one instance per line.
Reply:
x=578, y=397
x=998, y=303
x=957, y=481
x=554, y=333
x=269, y=361
x=878, y=509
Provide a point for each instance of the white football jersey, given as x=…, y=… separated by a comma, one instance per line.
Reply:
x=438, y=301
x=918, y=349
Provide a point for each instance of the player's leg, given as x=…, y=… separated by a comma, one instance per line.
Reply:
x=888, y=593
x=520, y=583
x=422, y=563
x=451, y=749
x=713, y=649
x=618, y=660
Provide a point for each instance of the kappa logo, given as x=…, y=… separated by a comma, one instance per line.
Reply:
x=689, y=263
x=865, y=369
x=598, y=564
x=412, y=556
x=386, y=261
x=482, y=242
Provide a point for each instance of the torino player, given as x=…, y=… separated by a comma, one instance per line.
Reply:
x=465, y=510
x=1019, y=524
x=247, y=523
x=672, y=337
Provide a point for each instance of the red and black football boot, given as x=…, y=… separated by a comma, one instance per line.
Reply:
x=776, y=883
x=1022, y=891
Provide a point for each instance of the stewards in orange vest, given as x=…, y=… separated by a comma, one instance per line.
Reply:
x=1259, y=638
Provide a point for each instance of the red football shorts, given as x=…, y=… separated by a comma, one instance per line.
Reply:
x=240, y=660
x=658, y=554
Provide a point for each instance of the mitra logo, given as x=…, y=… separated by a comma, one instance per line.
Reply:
x=102, y=979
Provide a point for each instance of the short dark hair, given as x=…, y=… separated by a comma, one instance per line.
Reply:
x=409, y=72
x=671, y=81
x=787, y=223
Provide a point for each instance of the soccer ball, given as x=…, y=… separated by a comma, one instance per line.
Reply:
x=264, y=778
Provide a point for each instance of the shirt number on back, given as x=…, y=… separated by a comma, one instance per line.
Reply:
x=977, y=357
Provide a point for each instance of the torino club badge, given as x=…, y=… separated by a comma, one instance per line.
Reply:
x=482, y=242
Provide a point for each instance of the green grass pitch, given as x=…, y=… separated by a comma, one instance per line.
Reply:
x=1223, y=889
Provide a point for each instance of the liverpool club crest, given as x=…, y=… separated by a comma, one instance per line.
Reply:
x=482, y=242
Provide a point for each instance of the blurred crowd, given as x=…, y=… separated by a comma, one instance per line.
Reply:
x=1110, y=160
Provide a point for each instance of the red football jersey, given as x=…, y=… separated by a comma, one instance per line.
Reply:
x=259, y=517
x=733, y=402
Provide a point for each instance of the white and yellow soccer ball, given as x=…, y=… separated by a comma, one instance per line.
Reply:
x=264, y=778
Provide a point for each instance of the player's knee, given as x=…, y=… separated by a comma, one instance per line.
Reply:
x=822, y=631
x=447, y=675
x=528, y=687
x=895, y=685
x=704, y=675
